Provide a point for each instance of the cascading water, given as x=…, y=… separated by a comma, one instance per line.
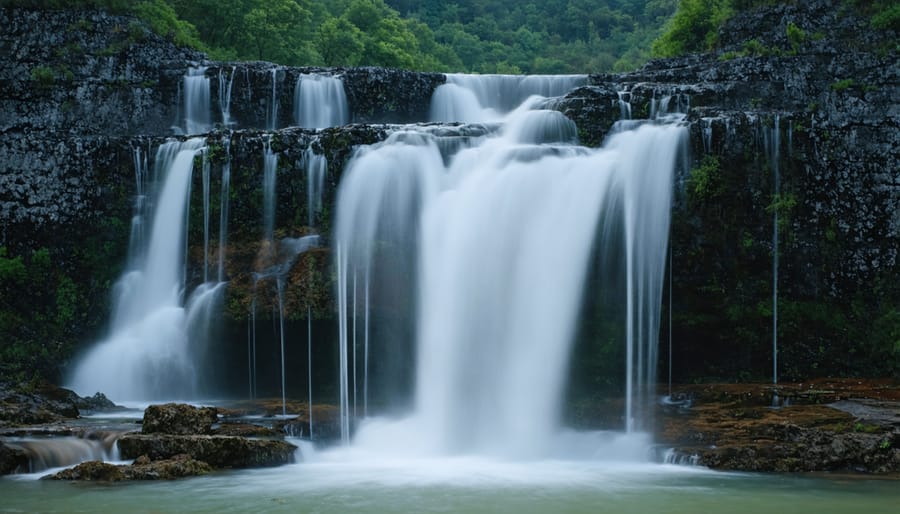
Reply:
x=272, y=112
x=316, y=166
x=502, y=236
x=320, y=102
x=772, y=141
x=481, y=98
x=225, y=87
x=195, y=88
x=270, y=177
x=146, y=355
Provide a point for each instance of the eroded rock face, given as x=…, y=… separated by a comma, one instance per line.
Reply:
x=178, y=419
x=217, y=451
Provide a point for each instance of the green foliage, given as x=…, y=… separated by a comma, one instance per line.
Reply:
x=693, y=28
x=43, y=76
x=705, y=180
x=842, y=84
x=783, y=204
x=796, y=37
x=163, y=19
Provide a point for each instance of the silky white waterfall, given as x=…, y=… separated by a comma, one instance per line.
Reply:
x=146, y=356
x=502, y=236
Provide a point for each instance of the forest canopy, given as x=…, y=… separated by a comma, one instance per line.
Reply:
x=482, y=36
x=478, y=36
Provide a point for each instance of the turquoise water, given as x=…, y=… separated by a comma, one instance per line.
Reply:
x=463, y=485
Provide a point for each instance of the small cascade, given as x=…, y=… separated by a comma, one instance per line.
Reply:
x=137, y=239
x=225, y=88
x=224, y=207
x=147, y=354
x=270, y=172
x=670, y=456
x=481, y=98
x=316, y=167
x=706, y=128
x=205, y=184
x=624, y=104
x=320, y=101
x=48, y=453
x=664, y=106
x=284, y=257
x=195, y=89
x=772, y=141
x=272, y=112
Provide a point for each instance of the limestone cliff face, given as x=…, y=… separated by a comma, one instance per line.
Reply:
x=806, y=89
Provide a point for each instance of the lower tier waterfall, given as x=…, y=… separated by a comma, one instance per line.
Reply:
x=495, y=244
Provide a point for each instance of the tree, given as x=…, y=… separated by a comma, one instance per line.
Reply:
x=339, y=42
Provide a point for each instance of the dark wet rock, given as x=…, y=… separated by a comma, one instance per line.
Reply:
x=93, y=470
x=143, y=468
x=247, y=430
x=97, y=403
x=218, y=451
x=736, y=427
x=11, y=459
x=178, y=419
x=44, y=403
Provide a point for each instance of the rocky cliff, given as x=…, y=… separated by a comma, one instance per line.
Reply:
x=805, y=93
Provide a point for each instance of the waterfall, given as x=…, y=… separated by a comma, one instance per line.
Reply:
x=270, y=172
x=624, y=105
x=480, y=98
x=272, y=112
x=196, y=101
x=147, y=355
x=320, y=102
x=225, y=87
x=223, y=207
x=316, y=166
x=772, y=140
x=501, y=235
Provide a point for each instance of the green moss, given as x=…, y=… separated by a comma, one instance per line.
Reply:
x=796, y=37
x=783, y=204
x=842, y=84
x=705, y=181
x=43, y=76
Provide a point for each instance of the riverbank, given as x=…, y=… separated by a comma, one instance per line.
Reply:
x=831, y=425
x=825, y=425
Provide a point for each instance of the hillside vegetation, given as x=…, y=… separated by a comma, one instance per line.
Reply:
x=483, y=36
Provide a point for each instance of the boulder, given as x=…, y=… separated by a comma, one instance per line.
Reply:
x=218, y=451
x=143, y=469
x=179, y=419
x=11, y=459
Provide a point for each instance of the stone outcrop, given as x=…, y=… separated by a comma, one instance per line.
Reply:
x=217, y=451
x=824, y=426
x=178, y=419
x=179, y=466
x=174, y=429
x=11, y=459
